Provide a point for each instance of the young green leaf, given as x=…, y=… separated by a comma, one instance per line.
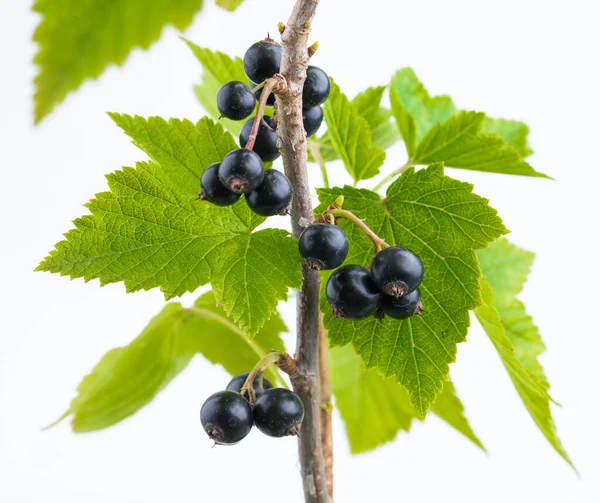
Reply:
x=441, y=220
x=219, y=69
x=514, y=133
x=448, y=407
x=128, y=378
x=415, y=100
x=229, y=5
x=351, y=136
x=375, y=409
x=150, y=231
x=405, y=121
x=79, y=40
x=513, y=333
x=368, y=105
x=460, y=143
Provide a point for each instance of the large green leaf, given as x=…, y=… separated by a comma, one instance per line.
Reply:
x=150, y=231
x=460, y=143
x=219, y=69
x=441, y=220
x=351, y=136
x=513, y=333
x=128, y=378
x=78, y=39
x=375, y=409
x=229, y=5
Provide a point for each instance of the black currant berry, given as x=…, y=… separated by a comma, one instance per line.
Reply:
x=316, y=87
x=238, y=381
x=262, y=60
x=213, y=190
x=241, y=170
x=397, y=271
x=235, y=101
x=226, y=417
x=266, y=139
x=312, y=119
x=323, y=246
x=278, y=412
x=270, y=99
x=402, y=307
x=351, y=292
x=272, y=196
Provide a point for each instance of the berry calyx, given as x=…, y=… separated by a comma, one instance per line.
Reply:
x=397, y=271
x=266, y=139
x=213, y=190
x=238, y=381
x=262, y=60
x=272, y=196
x=235, y=101
x=323, y=246
x=226, y=417
x=270, y=99
x=241, y=171
x=404, y=307
x=312, y=118
x=351, y=292
x=278, y=412
x=316, y=87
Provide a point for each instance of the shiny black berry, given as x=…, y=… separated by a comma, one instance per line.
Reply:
x=226, y=417
x=278, y=412
x=266, y=139
x=351, y=292
x=402, y=307
x=262, y=60
x=316, y=87
x=241, y=170
x=312, y=118
x=213, y=190
x=397, y=271
x=235, y=101
x=272, y=196
x=238, y=381
x=270, y=99
x=323, y=246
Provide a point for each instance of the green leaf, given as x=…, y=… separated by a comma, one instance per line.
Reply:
x=219, y=69
x=513, y=132
x=448, y=407
x=383, y=132
x=405, y=121
x=426, y=110
x=350, y=136
x=375, y=409
x=128, y=378
x=460, y=143
x=441, y=220
x=150, y=231
x=513, y=333
x=77, y=40
x=229, y=5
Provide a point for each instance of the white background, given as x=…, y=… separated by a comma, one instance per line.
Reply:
x=531, y=60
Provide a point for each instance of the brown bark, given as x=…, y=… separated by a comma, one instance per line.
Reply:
x=293, y=147
x=326, y=406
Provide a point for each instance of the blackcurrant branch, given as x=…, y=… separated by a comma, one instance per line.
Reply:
x=276, y=83
x=394, y=174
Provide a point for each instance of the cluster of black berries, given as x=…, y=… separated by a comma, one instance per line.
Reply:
x=227, y=416
x=390, y=287
x=268, y=192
